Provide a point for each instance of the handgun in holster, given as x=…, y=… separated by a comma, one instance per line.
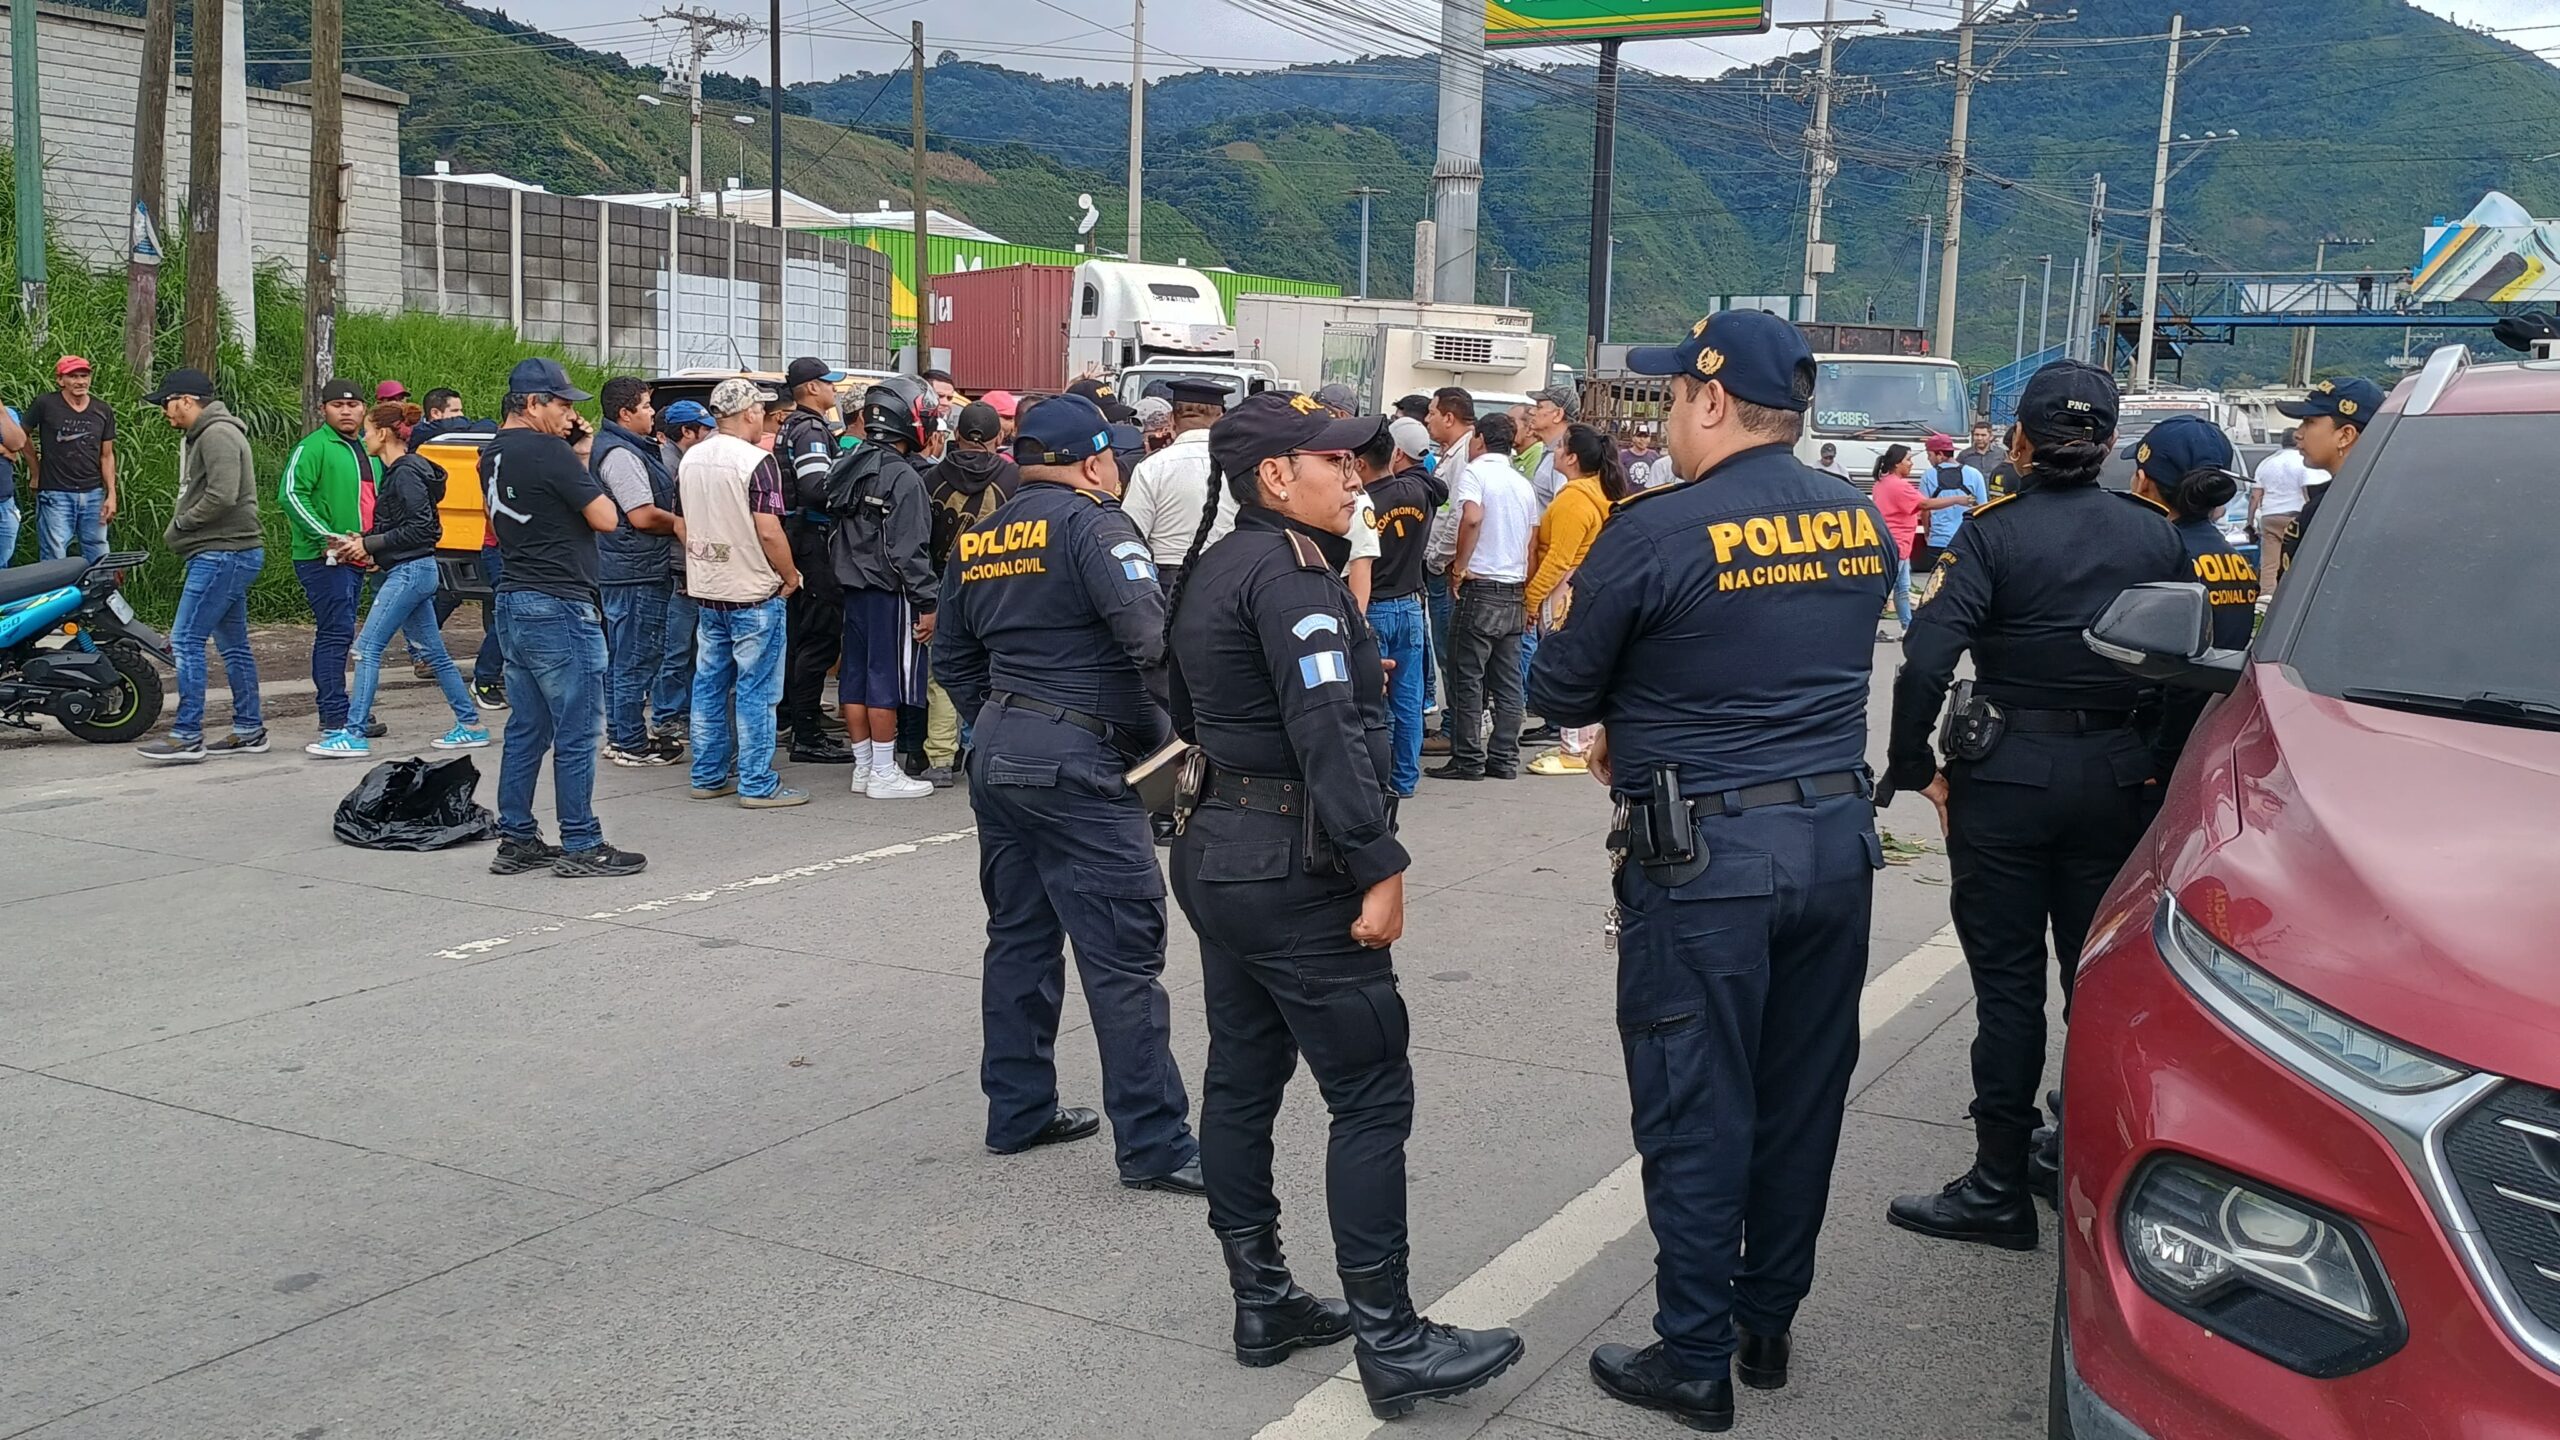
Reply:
x=1973, y=726
x=1659, y=831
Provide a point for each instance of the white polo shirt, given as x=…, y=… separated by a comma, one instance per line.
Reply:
x=1510, y=506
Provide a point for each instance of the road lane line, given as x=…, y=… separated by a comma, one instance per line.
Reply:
x=474, y=949
x=1513, y=1282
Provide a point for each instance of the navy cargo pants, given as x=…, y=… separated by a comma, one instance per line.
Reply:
x=1064, y=852
x=1738, y=1010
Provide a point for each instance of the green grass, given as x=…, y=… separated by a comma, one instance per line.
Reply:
x=422, y=351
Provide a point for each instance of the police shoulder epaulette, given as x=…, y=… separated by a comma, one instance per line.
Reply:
x=1649, y=494
x=2146, y=502
x=1309, y=557
x=1988, y=506
x=1096, y=496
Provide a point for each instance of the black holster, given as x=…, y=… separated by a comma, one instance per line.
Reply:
x=1973, y=727
x=1658, y=830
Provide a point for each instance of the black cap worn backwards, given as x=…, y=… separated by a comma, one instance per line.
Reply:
x=979, y=422
x=2067, y=401
x=1276, y=423
x=2349, y=402
x=541, y=376
x=181, y=382
x=1190, y=391
x=1753, y=354
x=2180, y=446
x=802, y=371
x=340, y=390
x=1061, y=430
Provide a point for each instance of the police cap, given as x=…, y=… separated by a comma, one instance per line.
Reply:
x=2180, y=445
x=1190, y=391
x=1277, y=422
x=2067, y=401
x=1061, y=430
x=802, y=371
x=1753, y=354
x=2349, y=402
x=1104, y=397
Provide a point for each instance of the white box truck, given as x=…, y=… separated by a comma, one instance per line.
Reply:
x=1384, y=349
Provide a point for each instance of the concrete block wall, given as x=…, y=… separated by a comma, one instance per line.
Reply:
x=91, y=64
x=666, y=291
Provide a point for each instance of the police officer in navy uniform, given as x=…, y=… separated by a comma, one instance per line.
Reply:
x=1049, y=613
x=2042, y=793
x=1288, y=866
x=814, y=637
x=1722, y=631
x=2185, y=466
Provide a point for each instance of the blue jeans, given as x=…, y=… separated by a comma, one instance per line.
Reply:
x=60, y=512
x=490, y=666
x=1436, y=602
x=332, y=591
x=635, y=642
x=1400, y=627
x=406, y=605
x=738, y=661
x=672, y=694
x=8, y=529
x=555, y=684
x=214, y=605
x=1528, y=651
x=1902, y=592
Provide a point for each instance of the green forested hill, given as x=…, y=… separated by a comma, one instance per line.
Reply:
x=2358, y=117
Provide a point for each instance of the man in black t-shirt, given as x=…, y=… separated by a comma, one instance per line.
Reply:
x=72, y=464
x=1402, y=501
x=546, y=511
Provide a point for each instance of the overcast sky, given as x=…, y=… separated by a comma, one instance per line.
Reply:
x=1077, y=37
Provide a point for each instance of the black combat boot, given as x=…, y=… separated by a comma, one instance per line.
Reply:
x=2044, y=1164
x=1760, y=1361
x=1987, y=1205
x=1405, y=1359
x=1274, y=1316
x=1645, y=1377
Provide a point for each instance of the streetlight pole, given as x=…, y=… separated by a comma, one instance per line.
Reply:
x=1138, y=122
x=1363, y=194
x=2044, y=304
x=2018, y=352
x=2311, y=333
x=1920, y=320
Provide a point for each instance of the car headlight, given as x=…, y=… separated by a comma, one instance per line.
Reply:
x=2261, y=1268
x=2365, y=1055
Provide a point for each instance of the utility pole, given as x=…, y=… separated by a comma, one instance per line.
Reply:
x=1457, y=175
x=924, y=265
x=703, y=34
x=1506, y=272
x=773, y=94
x=1363, y=195
x=2018, y=352
x=1820, y=162
x=2071, y=312
x=2142, y=352
x=1948, y=247
x=320, y=252
x=2311, y=333
x=2044, y=304
x=1604, y=161
x=26, y=93
x=2084, y=303
x=1920, y=317
x=150, y=163
x=203, y=314
x=1138, y=137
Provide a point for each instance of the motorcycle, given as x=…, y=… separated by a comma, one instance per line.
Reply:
x=71, y=648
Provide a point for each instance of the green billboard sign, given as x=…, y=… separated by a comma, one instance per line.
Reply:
x=1565, y=22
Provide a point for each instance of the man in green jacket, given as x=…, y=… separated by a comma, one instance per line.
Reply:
x=324, y=480
x=215, y=534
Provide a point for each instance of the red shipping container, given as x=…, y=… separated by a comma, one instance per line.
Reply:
x=1006, y=328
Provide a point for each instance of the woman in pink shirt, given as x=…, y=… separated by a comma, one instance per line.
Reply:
x=1898, y=502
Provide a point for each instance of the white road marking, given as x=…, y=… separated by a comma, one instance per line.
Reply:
x=473, y=949
x=1511, y=1283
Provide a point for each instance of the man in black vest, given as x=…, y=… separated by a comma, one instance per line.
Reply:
x=806, y=447
x=635, y=565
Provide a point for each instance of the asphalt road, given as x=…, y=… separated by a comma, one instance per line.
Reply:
x=299, y=1141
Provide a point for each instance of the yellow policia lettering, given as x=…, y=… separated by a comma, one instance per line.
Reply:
x=1791, y=573
x=1005, y=539
x=1767, y=535
x=2232, y=599
x=2221, y=568
x=1004, y=569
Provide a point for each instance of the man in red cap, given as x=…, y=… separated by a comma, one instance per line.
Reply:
x=1948, y=489
x=390, y=392
x=72, y=463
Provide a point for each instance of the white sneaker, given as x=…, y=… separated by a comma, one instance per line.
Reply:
x=894, y=786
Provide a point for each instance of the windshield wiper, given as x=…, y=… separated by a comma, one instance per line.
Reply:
x=1923, y=426
x=2482, y=705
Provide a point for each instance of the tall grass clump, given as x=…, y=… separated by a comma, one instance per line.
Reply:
x=87, y=311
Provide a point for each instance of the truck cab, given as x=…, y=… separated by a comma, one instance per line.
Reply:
x=1126, y=313
x=1243, y=378
x=1864, y=403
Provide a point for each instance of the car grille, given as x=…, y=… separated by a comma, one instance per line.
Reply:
x=2505, y=1154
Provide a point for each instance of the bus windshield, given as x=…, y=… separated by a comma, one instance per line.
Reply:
x=1887, y=397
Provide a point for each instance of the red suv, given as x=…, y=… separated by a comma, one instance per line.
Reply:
x=2311, y=1129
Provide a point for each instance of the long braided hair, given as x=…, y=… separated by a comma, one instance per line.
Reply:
x=1199, y=542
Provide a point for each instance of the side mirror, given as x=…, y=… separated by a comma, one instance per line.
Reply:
x=2164, y=631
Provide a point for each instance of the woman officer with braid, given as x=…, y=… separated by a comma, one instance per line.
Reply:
x=1289, y=869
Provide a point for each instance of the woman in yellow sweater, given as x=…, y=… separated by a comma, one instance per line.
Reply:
x=1594, y=481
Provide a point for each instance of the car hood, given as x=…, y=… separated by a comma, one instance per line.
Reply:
x=2403, y=869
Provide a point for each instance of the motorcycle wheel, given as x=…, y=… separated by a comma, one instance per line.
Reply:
x=140, y=696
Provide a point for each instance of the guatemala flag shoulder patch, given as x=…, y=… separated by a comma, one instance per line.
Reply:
x=1136, y=563
x=1325, y=667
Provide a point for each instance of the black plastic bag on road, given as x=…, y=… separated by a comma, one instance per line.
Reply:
x=415, y=804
